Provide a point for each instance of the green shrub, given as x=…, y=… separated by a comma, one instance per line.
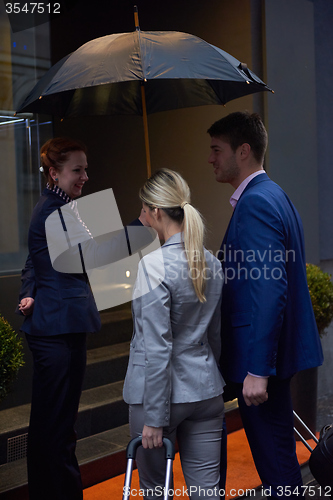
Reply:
x=321, y=293
x=11, y=356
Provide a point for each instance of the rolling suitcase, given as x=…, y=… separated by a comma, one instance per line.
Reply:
x=321, y=458
x=132, y=447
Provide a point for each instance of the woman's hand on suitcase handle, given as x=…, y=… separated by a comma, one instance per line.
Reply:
x=152, y=437
x=255, y=390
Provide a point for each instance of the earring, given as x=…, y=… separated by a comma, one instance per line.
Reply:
x=56, y=179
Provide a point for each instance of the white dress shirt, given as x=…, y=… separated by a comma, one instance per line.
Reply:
x=237, y=194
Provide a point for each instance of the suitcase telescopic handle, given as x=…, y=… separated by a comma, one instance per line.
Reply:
x=134, y=444
x=304, y=441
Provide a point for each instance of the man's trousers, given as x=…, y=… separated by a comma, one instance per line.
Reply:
x=269, y=430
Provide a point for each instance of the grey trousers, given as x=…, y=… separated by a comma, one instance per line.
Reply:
x=198, y=428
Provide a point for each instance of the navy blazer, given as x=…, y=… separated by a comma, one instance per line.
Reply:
x=64, y=302
x=268, y=324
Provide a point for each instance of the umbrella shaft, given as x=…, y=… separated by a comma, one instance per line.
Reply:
x=145, y=128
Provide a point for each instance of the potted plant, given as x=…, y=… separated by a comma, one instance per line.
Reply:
x=321, y=293
x=11, y=356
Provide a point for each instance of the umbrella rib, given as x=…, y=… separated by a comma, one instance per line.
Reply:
x=140, y=54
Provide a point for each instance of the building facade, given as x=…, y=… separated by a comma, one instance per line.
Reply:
x=287, y=43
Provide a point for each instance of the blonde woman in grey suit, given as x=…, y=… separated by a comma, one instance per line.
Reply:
x=173, y=384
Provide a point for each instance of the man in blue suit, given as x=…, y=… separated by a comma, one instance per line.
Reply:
x=268, y=327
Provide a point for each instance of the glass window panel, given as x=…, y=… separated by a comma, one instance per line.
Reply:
x=24, y=58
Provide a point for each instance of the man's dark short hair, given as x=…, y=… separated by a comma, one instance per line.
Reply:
x=240, y=127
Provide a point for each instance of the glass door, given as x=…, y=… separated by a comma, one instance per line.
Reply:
x=20, y=183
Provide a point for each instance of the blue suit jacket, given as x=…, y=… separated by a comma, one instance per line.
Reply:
x=63, y=302
x=268, y=324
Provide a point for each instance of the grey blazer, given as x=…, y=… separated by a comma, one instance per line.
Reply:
x=176, y=341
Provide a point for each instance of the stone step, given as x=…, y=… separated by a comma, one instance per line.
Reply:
x=106, y=364
x=117, y=327
x=101, y=408
x=100, y=457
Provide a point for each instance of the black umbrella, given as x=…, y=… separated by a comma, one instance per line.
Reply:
x=140, y=73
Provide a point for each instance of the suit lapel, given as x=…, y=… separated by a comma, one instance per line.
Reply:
x=227, y=231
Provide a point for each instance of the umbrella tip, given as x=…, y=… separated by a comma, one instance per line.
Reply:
x=136, y=17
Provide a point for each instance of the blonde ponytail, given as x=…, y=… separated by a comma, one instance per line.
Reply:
x=193, y=242
x=167, y=189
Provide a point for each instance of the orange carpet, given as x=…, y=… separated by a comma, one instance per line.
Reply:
x=241, y=473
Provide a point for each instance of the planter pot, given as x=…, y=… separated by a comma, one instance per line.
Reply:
x=304, y=398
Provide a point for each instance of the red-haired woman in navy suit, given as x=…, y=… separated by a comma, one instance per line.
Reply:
x=59, y=310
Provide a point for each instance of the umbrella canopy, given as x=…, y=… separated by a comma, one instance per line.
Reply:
x=104, y=76
x=139, y=73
